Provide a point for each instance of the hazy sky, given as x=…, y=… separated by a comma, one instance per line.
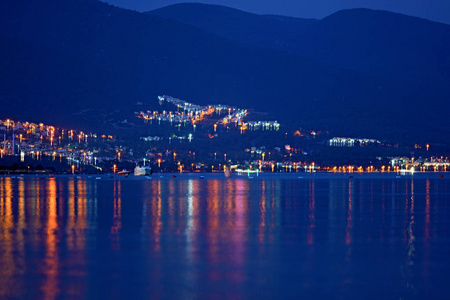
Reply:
x=436, y=10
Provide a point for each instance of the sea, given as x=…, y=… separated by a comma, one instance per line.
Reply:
x=204, y=236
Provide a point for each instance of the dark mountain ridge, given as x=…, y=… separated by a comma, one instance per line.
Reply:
x=271, y=31
x=373, y=42
x=60, y=58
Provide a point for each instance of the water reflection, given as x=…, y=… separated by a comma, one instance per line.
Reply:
x=8, y=269
x=213, y=227
x=311, y=211
x=68, y=237
x=32, y=224
x=50, y=287
x=262, y=209
x=117, y=215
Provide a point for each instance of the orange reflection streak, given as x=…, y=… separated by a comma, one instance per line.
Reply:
x=71, y=214
x=272, y=212
x=262, y=211
x=348, y=237
x=171, y=210
x=2, y=197
x=213, y=229
x=152, y=189
x=427, y=213
x=427, y=232
x=240, y=205
x=117, y=216
x=21, y=224
x=213, y=212
x=311, y=214
x=156, y=215
x=50, y=286
x=8, y=268
x=81, y=204
x=228, y=203
x=62, y=200
x=81, y=223
x=181, y=226
x=37, y=208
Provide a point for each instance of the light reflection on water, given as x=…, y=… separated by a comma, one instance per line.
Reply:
x=240, y=238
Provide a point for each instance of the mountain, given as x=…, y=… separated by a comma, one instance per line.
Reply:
x=378, y=43
x=85, y=63
x=381, y=43
x=270, y=31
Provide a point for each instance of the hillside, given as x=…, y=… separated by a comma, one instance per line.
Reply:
x=374, y=42
x=64, y=58
x=270, y=31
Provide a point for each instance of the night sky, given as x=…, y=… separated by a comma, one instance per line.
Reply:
x=436, y=10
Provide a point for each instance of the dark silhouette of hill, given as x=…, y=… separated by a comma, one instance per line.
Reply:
x=60, y=59
x=381, y=43
x=271, y=31
x=373, y=42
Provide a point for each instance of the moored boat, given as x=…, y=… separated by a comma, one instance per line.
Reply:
x=123, y=172
x=142, y=171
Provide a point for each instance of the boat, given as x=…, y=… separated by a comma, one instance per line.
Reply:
x=123, y=172
x=143, y=170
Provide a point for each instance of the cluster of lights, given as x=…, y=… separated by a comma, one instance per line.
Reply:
x=193, y=113
x=351, y=142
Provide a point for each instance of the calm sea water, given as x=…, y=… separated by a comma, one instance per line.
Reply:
x=271, y=236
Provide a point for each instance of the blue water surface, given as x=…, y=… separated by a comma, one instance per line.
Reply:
x=307, y=236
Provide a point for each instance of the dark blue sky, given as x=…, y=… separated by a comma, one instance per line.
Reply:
x=436, y=10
